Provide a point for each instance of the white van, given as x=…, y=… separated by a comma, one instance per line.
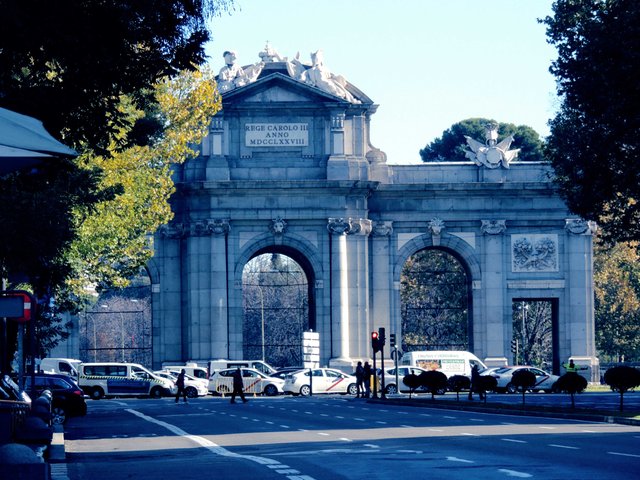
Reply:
x=257, y=364
x=68, y=366
x=449, y=362
x=190, y=369
x=111, y=379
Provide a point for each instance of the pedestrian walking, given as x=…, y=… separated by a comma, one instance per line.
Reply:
x=181, y=390
x=238, y=386
x=359, y=380
x=367, y=379
x=476, y=383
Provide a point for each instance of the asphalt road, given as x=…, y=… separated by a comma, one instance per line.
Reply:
x=337, y=437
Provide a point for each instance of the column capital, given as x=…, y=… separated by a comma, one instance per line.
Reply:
x=349, y=226
x=579, y=226
x=218, y=226
x=382, y=229
x=493, y=227
x=173, y=230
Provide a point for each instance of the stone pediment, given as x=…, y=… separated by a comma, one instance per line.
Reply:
x=277, y=87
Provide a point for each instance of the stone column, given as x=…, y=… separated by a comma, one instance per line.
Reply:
x=197, y=331
x=382, y=281
x=339, y=228
x=492, y=335
x=167, y=315
x=219, y=345
x=580, y=327
x=358, y=288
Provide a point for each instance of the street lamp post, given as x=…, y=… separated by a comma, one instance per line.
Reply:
x=262, y=318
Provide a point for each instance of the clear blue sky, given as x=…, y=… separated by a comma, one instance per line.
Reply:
x=427, y=63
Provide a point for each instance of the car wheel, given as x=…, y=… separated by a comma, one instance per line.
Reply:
x=305, y=390
x=391, y=389
x=97, y=393
x=511, y=388
x=270, y=390
x=352, y=389
x=156, y=392
x=58, y=415
x=191, y=392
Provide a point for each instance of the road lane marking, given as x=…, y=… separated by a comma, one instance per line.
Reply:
x=215, y=448
x=324, y=434
x=449, y=417
x=462, y=460
x=285, y=426
x=435, y=430
x=381, y=422
x=547, y=428
x=338, y=416
x=514, y=473
x=477, y=419
x=465, y=434
x=370, y=445
x=512, y=440
x=345, y=439
x=624, y=454
x=407, y=426
x=359, y=419
x=563, y=446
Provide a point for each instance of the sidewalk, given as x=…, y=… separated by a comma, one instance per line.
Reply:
x=505, y=409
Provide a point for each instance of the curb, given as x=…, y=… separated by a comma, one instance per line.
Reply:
x=57, y=455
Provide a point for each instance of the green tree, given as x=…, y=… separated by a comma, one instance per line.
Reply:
x=69, y=63
x=593, y=142
x=452, y=144
x=114, y=241
x=617, y=300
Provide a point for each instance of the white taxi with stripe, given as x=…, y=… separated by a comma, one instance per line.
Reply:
x=221, y=382
x=319, y=380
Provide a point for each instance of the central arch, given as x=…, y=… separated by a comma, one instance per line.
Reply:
x=303, y=255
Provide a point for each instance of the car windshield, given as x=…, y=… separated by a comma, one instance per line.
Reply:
x=502, y=370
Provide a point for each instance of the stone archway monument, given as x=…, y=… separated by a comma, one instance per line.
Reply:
x=288, y=163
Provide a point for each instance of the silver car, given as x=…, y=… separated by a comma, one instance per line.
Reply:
x=544, y=381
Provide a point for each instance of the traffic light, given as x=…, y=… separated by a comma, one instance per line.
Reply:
x=392, y=340
x=382, y=338
x=514, y=345
x=375, y=342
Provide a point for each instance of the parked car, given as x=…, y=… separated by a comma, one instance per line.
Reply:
x=221, y=382
x=283, y=372
x=193, y=386
x=68, y=398
x=324, y=380
x=390, y=386
x=544, y=381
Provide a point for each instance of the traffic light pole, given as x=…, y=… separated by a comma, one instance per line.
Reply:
x=375, y=376
x=382, y=394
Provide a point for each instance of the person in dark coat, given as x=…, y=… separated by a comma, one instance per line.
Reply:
x=238, y=386
x=475, y=383
x=181, y=390
x=367, y=379
x=359, y=380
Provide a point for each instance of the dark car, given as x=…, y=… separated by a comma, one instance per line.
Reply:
x=68, y=397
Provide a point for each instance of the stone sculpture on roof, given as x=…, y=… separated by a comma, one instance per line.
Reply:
x=491, y=154
x=316, y=74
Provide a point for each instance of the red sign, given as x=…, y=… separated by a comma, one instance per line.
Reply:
x=16, y=305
